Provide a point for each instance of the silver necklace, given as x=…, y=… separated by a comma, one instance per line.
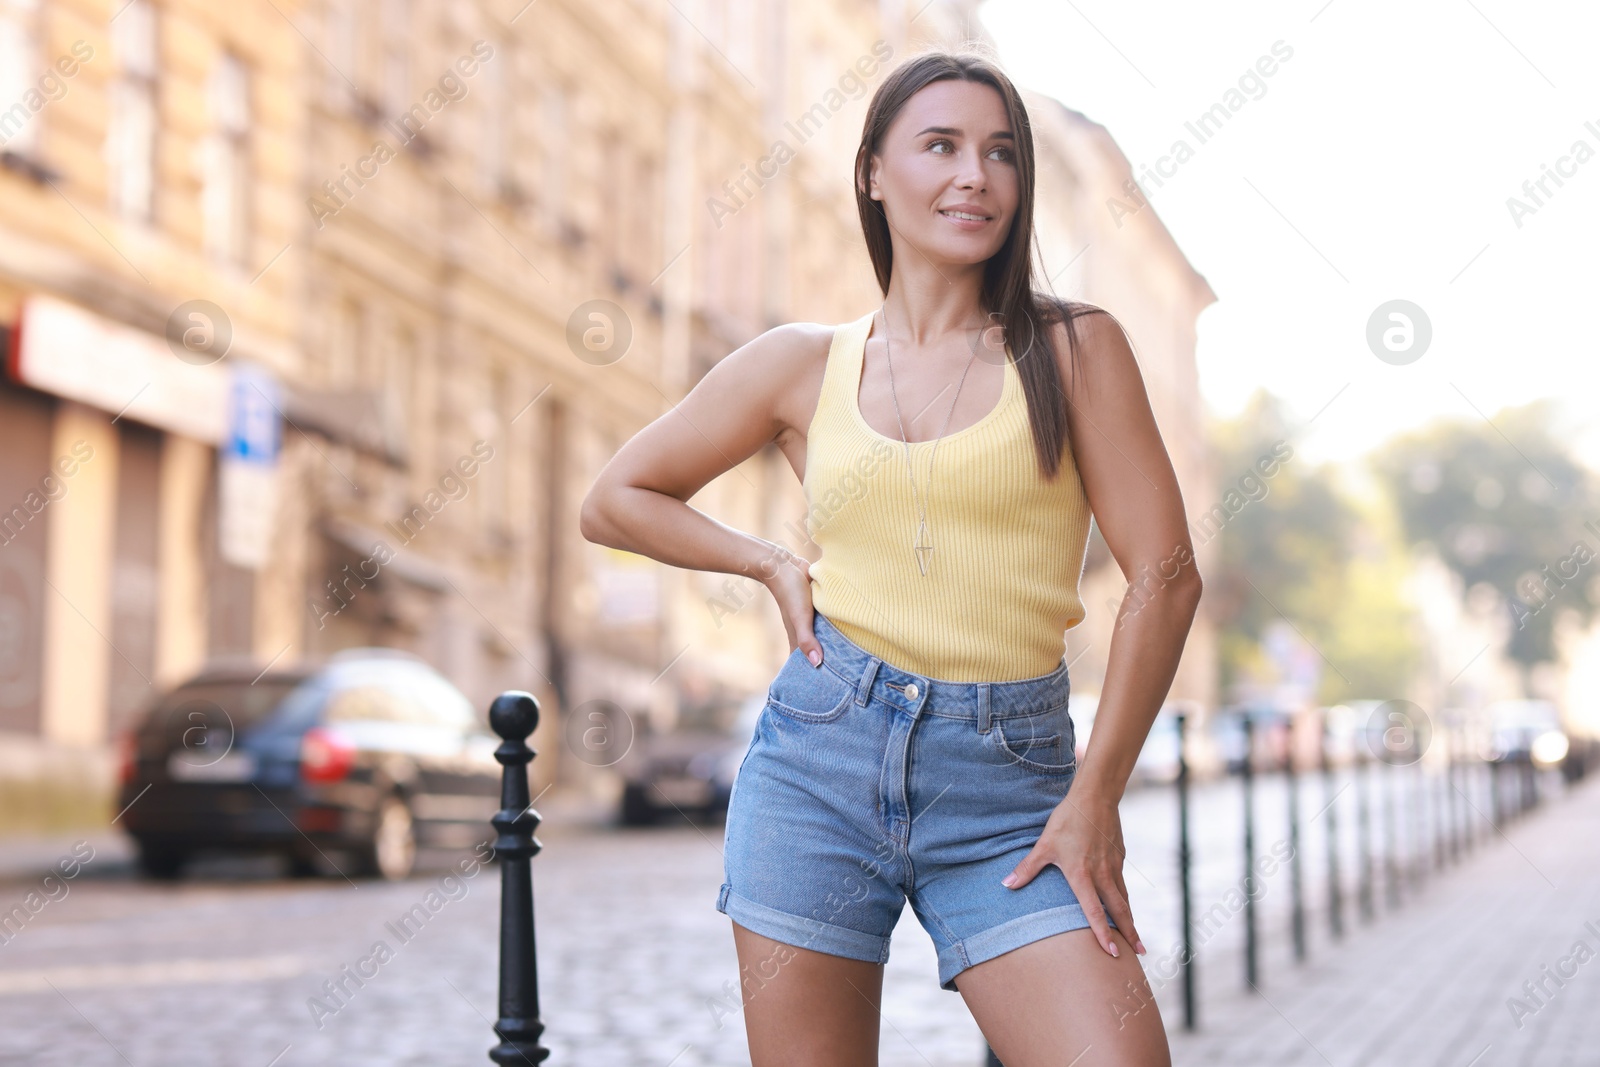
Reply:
x=922, y=544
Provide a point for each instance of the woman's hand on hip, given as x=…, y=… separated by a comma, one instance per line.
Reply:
x=1083, y=837
x=788, y=578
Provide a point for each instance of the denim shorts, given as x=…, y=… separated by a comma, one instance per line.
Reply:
x=866, y=785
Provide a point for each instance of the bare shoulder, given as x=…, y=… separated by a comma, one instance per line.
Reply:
x=793, y=346
x=1104, y=355
x=785, y=364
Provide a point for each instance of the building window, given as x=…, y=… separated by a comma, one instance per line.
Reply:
x=227, y=178
x=742, y=37
x=495, y=146
x=397, y=99
x=613, y=162
x=344, y=50
x=643, y=215
x=495, y=427
x=400, y=380
x=555, y=153
x=131, y=140
x=19, y=125
x=346, y=358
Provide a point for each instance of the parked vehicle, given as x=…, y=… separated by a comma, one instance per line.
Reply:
x=1526, y=729
x=688, y=772
x=1269, y=726
x=373, y=755
x=1157, y=762
x=1389, y=731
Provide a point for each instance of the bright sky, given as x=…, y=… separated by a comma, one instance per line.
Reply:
x=1376, y=166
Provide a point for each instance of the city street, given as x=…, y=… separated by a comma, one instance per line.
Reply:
x=382, y=383
x=223, y=966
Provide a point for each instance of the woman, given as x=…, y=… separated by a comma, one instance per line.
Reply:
x=916, y=744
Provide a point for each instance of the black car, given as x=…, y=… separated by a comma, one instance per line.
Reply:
x=371, y=755
x=689, y=772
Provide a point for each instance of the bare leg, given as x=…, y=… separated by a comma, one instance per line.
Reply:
x=804, y=1008
x=1061, y=1000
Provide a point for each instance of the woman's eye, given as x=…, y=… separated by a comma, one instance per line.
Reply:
x=935, y=144
x=1004, y=154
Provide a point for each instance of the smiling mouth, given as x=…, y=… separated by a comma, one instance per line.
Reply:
x=966, y=215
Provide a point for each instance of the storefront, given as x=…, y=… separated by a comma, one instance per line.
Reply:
x=114, y=577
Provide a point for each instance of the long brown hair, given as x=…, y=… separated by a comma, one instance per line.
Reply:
x=1008, y=276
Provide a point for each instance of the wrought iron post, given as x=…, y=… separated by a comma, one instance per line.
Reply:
x=1496, y=814
x=1297, y=903
x=1184, y=861
x=1247, y=780
x=1363, y=770
x=514, y=715
x=1391, y=838
x=1335, y=887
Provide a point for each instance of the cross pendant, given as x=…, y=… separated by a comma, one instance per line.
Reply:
x=922, y=546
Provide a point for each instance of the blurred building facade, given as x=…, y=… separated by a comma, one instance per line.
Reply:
x=145, y=161
x=323, y=316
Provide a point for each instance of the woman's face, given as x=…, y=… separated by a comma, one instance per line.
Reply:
x=949, y=155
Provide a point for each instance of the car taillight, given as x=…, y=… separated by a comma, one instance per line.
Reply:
x=127, y=757
x=325, y=756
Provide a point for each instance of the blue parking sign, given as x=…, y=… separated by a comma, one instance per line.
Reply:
x=254, y=425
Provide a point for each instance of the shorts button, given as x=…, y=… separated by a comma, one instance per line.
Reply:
x=911, y=691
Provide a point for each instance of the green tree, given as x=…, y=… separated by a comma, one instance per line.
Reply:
x=1502, y=502
x=1290, y=548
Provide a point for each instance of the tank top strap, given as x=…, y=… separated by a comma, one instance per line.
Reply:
x=841, y=375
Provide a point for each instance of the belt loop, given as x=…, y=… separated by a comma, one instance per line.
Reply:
x=868, y=674
x=983, y=707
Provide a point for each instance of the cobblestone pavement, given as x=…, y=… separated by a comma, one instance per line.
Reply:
x=221, y=968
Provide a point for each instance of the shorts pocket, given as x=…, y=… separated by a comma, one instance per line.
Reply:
x=807, y=693
x=1044, y=743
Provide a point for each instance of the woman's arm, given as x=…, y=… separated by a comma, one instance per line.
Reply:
x=1134, y=496
x=638, y=502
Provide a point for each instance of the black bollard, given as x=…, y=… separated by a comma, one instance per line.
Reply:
x=1250, y=975
x=1335, y=890
x=1184, y=860
x=1452, y=810
x=1297, y=903
x=1443, y=828
x=1530, y=784
x=1391, y=842
x=1417, y=812
x=1496, y=814
x=1363, y=774
x=514, y=715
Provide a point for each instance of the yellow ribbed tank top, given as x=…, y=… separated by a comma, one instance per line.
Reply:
x=1002, y=581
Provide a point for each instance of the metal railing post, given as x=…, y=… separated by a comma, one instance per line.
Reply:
x=1297, y=904
x=1184, y=860
x=1250, y=975
x=1335, y=888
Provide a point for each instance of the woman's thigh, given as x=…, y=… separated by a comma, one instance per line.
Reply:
x=807, y=1009
x=1062, y=999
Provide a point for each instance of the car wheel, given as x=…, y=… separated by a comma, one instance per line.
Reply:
x=392, y=852
x=636, y=807
x=302, y=866
x=161, y=861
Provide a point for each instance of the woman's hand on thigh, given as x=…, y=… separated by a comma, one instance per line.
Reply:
x=1083, y=837
x=788, y=578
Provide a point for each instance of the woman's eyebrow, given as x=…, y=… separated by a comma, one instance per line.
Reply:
x=953, y=132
